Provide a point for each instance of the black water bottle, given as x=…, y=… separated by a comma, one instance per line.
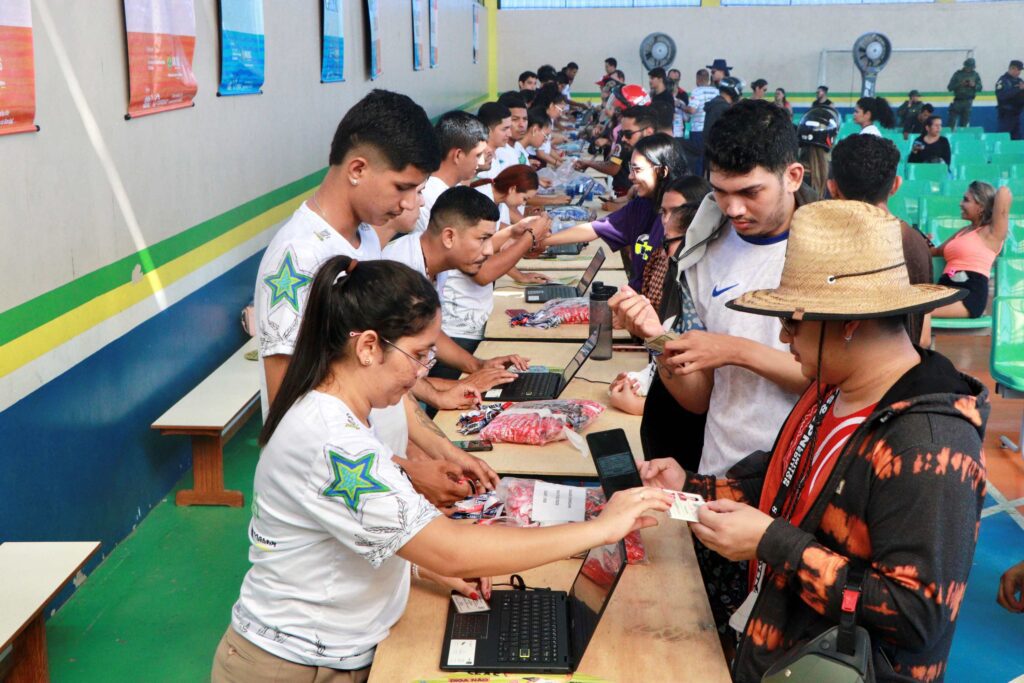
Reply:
x=601, y=320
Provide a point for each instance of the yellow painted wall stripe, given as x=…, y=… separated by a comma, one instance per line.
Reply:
x=492, y=48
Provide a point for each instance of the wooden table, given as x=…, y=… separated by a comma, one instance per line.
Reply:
x=614, y=278
x=558, y=459
x=211, y=414
x=512, y=298
x=30, y=575
x=657, y=627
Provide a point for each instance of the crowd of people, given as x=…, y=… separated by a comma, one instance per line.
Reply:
x=796, y=394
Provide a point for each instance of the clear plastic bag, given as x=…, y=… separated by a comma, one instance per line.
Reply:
x=574, y=311
x=539, y=422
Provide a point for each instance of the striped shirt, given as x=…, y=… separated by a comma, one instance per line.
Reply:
x=700, y=96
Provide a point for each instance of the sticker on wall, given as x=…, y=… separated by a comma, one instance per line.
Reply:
x=417, y=35
x=241, y=47
x=161, y=37
x=332, y=57
x=17, y=69
x=432, y=32
x=373, y=38
x=476, y=30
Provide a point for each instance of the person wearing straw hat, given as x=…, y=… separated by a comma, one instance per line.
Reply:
x=877, y=470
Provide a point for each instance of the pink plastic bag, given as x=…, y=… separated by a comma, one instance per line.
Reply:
x=575, y=311
x=539, y=422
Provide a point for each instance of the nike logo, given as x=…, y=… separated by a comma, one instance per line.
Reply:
x=716, y=292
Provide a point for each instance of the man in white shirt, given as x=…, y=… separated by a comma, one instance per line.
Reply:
x=514, y=153
x=701, y=95
x=463, y=142
x=498, y=120
x=370, y=182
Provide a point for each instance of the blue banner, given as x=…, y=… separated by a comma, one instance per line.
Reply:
x=241, y=47
x=417, y=35
x=332, y=67
x=373, y=19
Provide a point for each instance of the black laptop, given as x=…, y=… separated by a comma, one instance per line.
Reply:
x=573, y=249
x=539, y=294
x=540, y=386
x=540, y=631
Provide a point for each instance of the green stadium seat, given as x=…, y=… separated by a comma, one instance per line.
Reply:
x=968, y=326
x=973, y=146
x=930, y=207
x=955, y=187
x=1009, y=277
x=984, y=172
x=1007, y=355
x=968, y=131
x=1016, y=184
x=992, y=140
x=1007, y=158
x=849, y=128
x=941, y=229
x=936, y=172
x=1009, y=147
x=1017, y=171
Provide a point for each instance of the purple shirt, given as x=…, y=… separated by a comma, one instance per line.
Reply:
x=636, y=226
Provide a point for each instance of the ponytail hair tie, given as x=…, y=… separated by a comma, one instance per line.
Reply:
x=346, y=273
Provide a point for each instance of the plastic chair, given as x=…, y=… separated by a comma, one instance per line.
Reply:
x=941, y=229
x=992, y=140
x=1007, y=158
x=1006, y=359
x=969, y=157
x=1016, y=185
x=955, y=187
x=984, y=172
x=930, y=207
x=973, y=146
x=936, y=172
x=1008, y=146
x=970, y=132
x=1010, y=277
x=1017, y=171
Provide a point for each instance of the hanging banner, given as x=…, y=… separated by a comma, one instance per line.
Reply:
x=332, y=62
x=417, y=35
x=17, y=69
x=241, y=47
x=432, y=37
x=476, y=30
x=373, y=38
x=161, y=42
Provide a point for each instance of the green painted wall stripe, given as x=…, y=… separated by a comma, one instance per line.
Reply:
x=45, y=307
x=42, y=309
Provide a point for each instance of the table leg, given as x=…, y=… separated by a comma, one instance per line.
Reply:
x=29, y=655
x=208, y=475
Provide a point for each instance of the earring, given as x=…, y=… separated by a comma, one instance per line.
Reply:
x=353, y=181
x=366, y=361
x=848, y=339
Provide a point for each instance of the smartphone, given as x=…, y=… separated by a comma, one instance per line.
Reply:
x=474, y=446
x=614, y=461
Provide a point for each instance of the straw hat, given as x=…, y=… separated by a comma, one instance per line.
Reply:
x=844, y=261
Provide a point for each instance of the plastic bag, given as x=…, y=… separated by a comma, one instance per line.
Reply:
x=570, y=215
x=471, y=422
x=517, y=496
x=539, y=422
x=574, y=311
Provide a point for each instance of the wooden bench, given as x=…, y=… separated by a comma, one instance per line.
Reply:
x=30, y=575
x=211, y=414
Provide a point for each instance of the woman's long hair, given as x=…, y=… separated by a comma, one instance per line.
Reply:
x=881, y=112
x=663, y=151
x=816, y=163
x=350, y=296
x=985, y=195
x=520, y=176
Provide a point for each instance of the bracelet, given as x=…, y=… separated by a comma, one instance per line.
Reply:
x=415, y=571
x=533, y=238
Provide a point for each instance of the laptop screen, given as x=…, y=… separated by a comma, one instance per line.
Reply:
x=573, y=366
x=590, y=273
x=590, y=593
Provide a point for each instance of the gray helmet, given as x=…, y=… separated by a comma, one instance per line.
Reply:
x=731, y=85
x=819, y=127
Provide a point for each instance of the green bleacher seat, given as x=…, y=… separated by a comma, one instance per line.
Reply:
x=984, y=172
x=955, y=187
x=930, y=207
x=849, y=128
x=1016, y=184
x=1009, y=147
x=970, y=326
x=1016, y=171
x=1014, y=245
x=1007, y=159
x=920, y=187
x=1009, y=277
x=968, y=131
x=962, y=146
x=941, y=229
x=936, y=172
x=1007, y=354
x=992, y=140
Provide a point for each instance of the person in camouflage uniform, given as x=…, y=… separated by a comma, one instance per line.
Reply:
x=965, y=85
x=909, y=110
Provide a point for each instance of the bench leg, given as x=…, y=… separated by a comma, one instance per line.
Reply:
x=208, y=476
x=29, y=655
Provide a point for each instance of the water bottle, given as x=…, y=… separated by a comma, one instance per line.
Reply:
x=601, y=320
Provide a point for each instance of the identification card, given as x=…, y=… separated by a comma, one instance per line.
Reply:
x=685, y=506
x=464, y=605
x=462, y=653
x=656, y=345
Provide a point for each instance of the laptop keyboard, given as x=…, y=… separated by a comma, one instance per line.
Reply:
x=560, y=292
x=529, y=384
x=529, y=627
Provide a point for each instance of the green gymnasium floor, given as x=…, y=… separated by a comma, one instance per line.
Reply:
x=156, y=608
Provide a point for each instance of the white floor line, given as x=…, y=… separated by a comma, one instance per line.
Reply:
x=1003, y=505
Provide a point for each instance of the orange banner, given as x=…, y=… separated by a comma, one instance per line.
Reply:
x=17, y=80
x=161, y=44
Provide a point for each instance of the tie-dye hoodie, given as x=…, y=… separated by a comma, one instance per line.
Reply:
x=905, y=496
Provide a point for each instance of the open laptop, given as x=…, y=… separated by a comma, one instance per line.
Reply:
x=539, y=294
x=540, y=631
x=539, y=386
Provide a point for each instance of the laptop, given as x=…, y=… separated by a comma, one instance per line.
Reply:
x=539, y=631
x=540, y=386
x=563, y=250
x=539, y=294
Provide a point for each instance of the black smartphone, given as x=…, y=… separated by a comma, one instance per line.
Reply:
x=474, y=446
x=614, y=461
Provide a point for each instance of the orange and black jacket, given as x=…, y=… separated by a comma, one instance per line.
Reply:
x=905, y=497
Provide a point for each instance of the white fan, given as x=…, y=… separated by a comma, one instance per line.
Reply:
x=656, y=50
x=871, y=53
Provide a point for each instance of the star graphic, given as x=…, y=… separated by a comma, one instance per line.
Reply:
x=352, y=478
x=286, y=283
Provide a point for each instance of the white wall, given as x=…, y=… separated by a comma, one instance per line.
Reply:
x=780, y=44
x=60, y=216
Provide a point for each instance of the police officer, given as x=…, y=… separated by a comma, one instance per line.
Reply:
x=1010, y=100
x=965, y=84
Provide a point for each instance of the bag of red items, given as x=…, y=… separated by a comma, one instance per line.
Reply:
x=539, y=422
x=517, y=495
x=575, y=311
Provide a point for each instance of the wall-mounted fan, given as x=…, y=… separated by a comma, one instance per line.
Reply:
x=871, y=53
x=657, y=50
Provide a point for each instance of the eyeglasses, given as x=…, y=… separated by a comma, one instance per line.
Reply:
x=428, y=365
x=789, y=326
x=625, y=133
x=634, y=169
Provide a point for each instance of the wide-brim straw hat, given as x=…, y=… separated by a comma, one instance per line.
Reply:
x=844, y=261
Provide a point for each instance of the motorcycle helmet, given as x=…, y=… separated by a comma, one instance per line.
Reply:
x=626, y=96
x=819, y=127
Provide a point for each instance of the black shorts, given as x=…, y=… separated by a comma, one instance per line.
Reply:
x=977, y=291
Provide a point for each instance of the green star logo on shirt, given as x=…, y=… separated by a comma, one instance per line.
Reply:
x=352, y=479
x=286, y=283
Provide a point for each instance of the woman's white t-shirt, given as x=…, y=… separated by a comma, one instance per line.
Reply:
x=871, y=129
x=330, y=511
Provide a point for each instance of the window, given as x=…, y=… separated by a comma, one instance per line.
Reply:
x=562, y=4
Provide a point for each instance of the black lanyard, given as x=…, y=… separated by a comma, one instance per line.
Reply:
x=781, y=506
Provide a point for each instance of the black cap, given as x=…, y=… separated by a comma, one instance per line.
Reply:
x=1017, y=64
x=914, y=93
